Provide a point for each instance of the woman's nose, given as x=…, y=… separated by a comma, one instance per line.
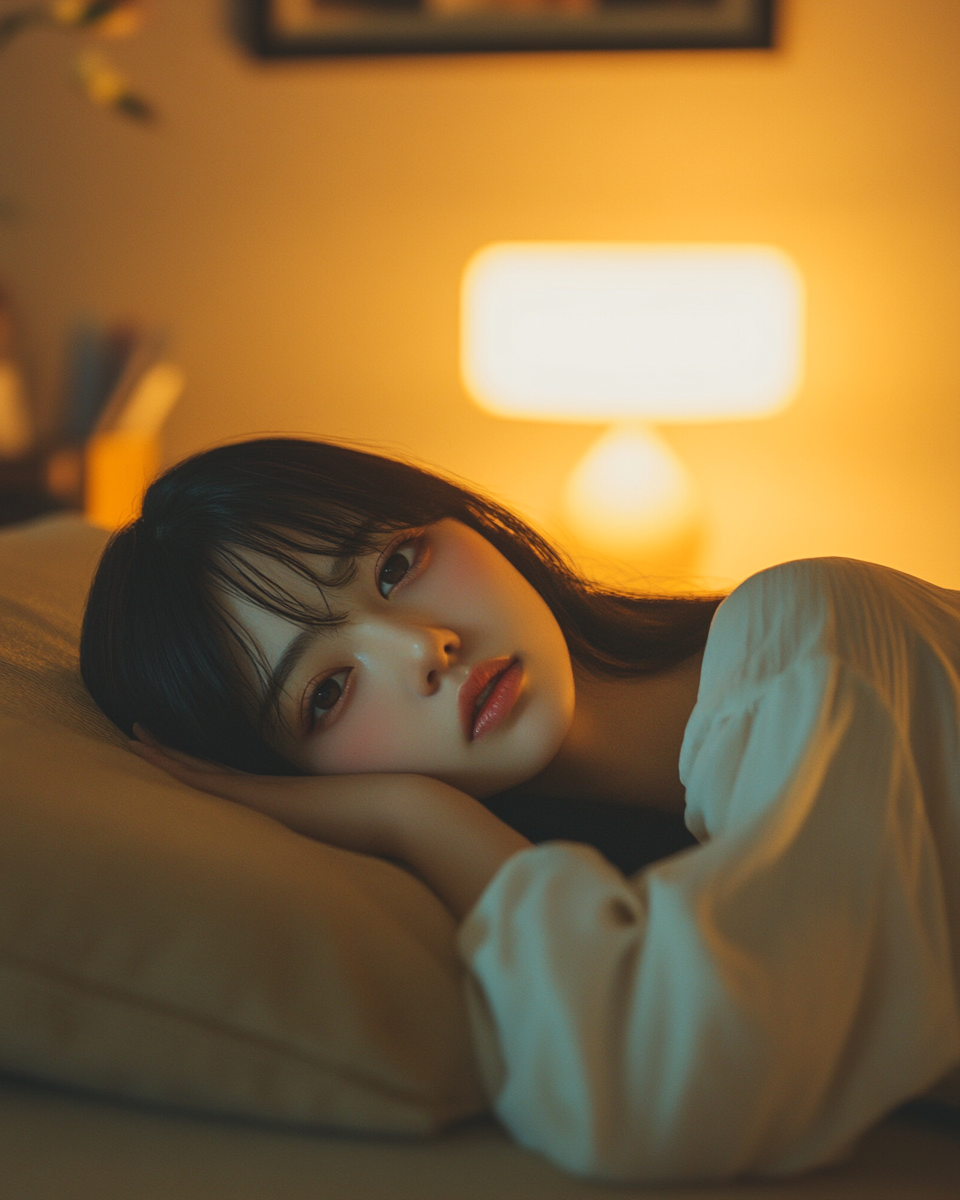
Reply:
x=434, y=652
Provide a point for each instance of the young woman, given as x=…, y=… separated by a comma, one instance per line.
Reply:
x=366, y=652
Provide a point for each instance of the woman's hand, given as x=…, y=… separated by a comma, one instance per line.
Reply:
x=453, y=842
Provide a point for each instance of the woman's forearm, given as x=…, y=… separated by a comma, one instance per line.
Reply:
x=455, y=844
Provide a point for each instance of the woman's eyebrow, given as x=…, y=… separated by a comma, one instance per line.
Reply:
x=342, y=571
x=277, y=679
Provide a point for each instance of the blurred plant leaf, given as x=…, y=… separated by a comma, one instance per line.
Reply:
x=15, y=22
x=107, y=18
x=106, y=86
x=101, y=81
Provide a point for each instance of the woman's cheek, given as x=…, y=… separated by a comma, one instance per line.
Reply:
x=369, y=739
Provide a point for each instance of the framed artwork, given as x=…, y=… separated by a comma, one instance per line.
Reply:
x=303, y=28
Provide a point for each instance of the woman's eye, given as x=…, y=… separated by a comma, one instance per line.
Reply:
x=395, y=568
x=326, y=695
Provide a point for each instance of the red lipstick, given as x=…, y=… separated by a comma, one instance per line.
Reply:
x=488, y=694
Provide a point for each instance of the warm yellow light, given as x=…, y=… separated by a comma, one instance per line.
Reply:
x=630, y=495
x=118, y=467
x=122, y=457
x=610, y=331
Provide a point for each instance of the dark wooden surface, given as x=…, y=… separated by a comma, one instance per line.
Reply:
x=23, y=490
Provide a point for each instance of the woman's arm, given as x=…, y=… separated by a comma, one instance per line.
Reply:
x=750, y=1006
x=452, y=842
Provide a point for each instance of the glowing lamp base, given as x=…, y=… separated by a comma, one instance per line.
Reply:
x=631, y=497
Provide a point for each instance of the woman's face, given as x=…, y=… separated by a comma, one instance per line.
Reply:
x=449, y=664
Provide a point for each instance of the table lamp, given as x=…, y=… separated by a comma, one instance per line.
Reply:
x=631, y=334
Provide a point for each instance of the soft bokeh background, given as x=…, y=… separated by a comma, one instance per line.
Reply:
x=301, y=228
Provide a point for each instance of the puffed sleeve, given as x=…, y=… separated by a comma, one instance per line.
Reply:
x=752, y=1004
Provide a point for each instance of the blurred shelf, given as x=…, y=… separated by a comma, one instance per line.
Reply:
x=23, y=490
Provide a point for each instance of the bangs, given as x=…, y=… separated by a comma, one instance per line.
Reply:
x=232, y=571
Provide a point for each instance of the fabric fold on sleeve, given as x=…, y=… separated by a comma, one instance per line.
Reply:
x=750, y=1005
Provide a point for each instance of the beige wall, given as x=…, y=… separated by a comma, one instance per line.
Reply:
x=302, y=228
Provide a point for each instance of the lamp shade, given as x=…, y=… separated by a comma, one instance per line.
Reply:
x=601, y=332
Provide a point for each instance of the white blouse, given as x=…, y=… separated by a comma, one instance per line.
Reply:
x=753, y=1003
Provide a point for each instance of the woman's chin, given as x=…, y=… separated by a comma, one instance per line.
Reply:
x=525, y=755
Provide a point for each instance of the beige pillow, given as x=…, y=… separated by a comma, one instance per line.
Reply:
x=162, y=944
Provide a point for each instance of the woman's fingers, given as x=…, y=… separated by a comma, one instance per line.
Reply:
x=346, y=810
x=278, y=796
x=172, y=763
x=317, y=807
x=198, y=774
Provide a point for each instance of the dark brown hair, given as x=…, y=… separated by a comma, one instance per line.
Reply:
x=157, y=648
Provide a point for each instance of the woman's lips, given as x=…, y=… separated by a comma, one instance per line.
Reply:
x=488, y=694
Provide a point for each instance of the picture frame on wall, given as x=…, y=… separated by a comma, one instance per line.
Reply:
x=326, y=28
